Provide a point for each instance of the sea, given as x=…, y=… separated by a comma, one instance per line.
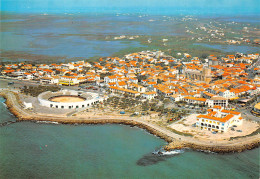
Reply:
x=92, y=35
x=45, y=150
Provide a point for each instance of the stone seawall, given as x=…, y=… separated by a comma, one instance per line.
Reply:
x=174, y=142
x=214, y=148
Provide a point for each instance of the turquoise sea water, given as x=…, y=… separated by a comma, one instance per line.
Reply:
x=34, y=150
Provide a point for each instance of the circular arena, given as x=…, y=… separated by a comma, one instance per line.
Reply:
x=68, y=99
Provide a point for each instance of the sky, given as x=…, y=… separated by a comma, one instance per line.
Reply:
x=132, y=6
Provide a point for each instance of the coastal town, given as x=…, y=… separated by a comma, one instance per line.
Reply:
x=213, y=99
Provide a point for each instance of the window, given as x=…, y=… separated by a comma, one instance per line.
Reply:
x=62, y=107
x=51, y=105
x=77, y=106
x=83, y=106
x=56, y=106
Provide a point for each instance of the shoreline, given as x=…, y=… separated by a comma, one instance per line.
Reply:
x=175, y=141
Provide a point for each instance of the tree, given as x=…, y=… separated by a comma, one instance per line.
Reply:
x=204, y=55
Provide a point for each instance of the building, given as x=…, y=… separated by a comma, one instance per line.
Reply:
x=204, y=75
x=87, y=99
x=226, y=93
x=149, y=95
x=194, y=100
x=219, y=120
x=217, y=101
x=123, y=91
x=68, y=81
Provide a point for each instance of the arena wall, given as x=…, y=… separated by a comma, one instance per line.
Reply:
x=91, y=98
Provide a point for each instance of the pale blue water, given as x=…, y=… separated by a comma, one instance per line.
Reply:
x=231, y=48
x=33, y=150
x=71, y=36
x=85, y=35
x=77, y=35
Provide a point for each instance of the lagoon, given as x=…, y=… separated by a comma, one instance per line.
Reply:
x=231, y=48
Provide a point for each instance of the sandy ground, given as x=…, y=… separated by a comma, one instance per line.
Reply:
x=66, y=99
x=186, y=126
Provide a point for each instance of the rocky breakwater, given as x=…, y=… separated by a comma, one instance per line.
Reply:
x=176, y=144
x=229, y=147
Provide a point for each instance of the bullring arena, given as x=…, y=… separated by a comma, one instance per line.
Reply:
x=68, y=99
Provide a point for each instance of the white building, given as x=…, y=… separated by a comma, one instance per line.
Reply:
x=217, y=101
x=110, y=79
x=149, y=95
x=219, y=119
x=226, y=93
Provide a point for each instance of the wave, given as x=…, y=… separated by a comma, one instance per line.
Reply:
x=164, y=152
x=47, y=122
x=174, y=152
